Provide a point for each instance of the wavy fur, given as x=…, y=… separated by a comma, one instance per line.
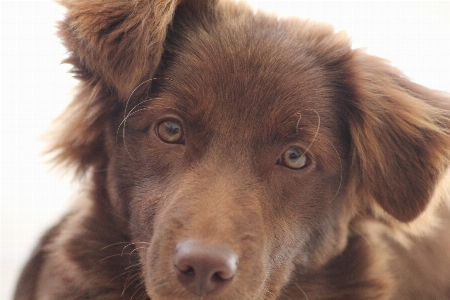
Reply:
x=212, y=139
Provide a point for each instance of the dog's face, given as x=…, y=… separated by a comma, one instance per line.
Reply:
x=239, y=152
x=252, y=138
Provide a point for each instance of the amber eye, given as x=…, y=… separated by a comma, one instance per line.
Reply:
x=294, y=158
x=170, y=132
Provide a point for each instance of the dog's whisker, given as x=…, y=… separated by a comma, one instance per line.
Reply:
x=121, y=274
x=135, y=249
x=126, y=282
x=268, y=294
x=317, y=131
x=137, y=87
x=125, y=113
x=123, y=123
x=130, y=254
x=134, y=90
x=301, y=290
x=161, y=285
x=298, y=122
x=114, y=244
x=110, y=256
x=124, y=130
x=122, y=254
x=137, y=290
x=136, y=256
x=125, y=247
x=143, y=295
x=141, y=247
x=121, y=243
x=341, y=169
x=130, y=280
x=131, y=113
x=285, y=294
x=136, y=270
x=133, y=266
x=120, y=217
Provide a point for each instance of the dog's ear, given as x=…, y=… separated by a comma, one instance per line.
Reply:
x=117, y=43
x=114, y=47
x=400, y=135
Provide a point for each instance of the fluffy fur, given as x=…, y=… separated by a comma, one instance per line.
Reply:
x=303, y=168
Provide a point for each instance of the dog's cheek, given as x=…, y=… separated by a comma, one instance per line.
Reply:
x=144, y=204
x=135, y=170
x=121, y=175
x=311, y=216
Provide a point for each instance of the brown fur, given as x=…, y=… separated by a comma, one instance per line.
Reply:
x=365, y=219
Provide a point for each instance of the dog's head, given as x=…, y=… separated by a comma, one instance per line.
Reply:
x=228, y=131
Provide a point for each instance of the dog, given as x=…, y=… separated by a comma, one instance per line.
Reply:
x=229, y=154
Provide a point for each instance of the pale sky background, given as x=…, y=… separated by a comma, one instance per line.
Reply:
x=35, y=88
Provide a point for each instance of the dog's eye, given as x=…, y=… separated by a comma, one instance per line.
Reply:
x=170, y=132
x=294, y=158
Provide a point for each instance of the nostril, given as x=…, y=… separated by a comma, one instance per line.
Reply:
x=221, y=276
x=202, y=268
x=190, y=272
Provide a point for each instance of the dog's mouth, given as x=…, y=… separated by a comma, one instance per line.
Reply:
x=217, y=266
x=204, y=269
x=200, y=268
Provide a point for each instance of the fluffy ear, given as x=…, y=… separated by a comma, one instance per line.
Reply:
x=117, y=43
x=400, y=135
x=114, y=46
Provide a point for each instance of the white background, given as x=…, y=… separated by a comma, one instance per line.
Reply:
x=35, y=88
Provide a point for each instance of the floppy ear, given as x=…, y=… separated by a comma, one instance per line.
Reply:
x=116, y=42
x=400, y=137
x=114, y=47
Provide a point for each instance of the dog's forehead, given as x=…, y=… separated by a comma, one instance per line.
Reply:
x=251, y=75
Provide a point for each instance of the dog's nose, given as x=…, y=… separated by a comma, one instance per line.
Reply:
x=202, y=268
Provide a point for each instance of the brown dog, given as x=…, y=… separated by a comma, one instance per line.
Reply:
x=227, y=154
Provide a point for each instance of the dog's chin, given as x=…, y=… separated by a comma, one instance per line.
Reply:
x=171, y=290
x=160, y=293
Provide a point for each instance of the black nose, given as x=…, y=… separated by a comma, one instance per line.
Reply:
x=202, y=268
